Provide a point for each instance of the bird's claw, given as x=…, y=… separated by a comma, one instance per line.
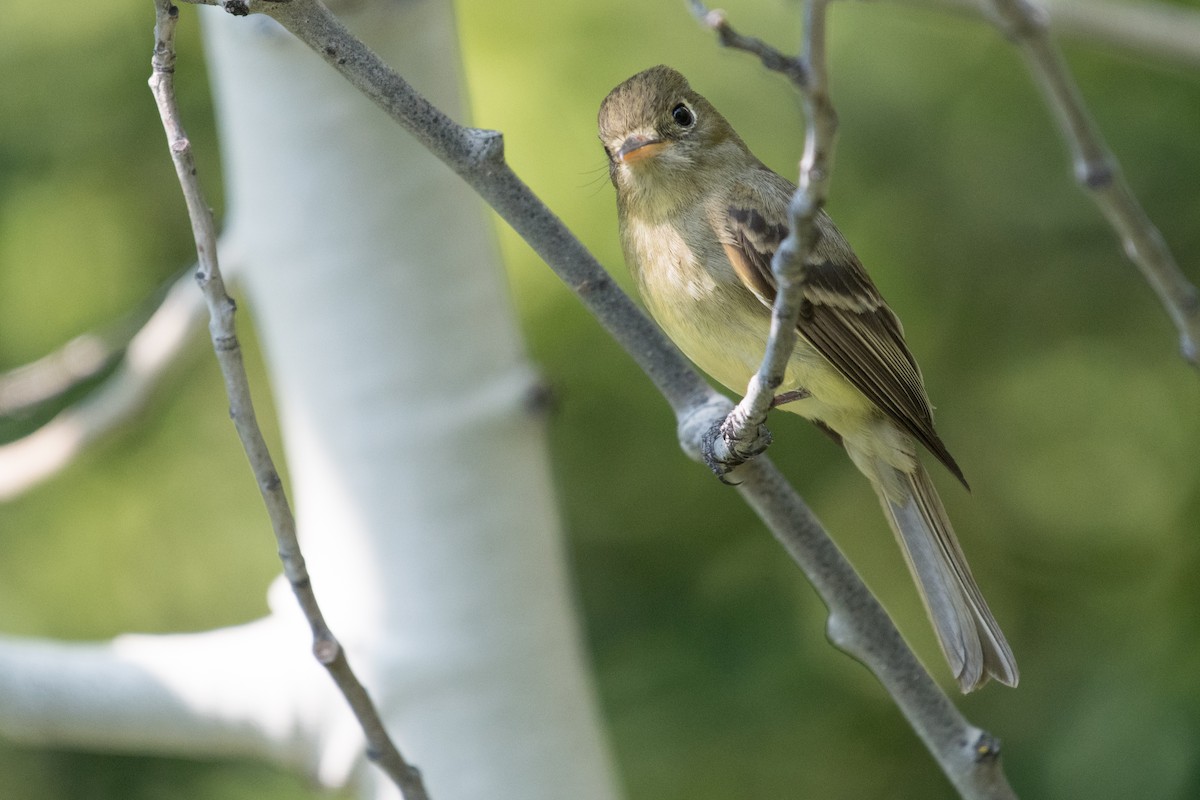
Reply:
x=725, y=448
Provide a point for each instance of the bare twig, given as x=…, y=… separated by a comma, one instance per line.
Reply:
x=794, y=68
x=326, y=648
x=742, y=434
x=25, y=388
x=43, y=453
x=1097, y=170
x=1155, y=30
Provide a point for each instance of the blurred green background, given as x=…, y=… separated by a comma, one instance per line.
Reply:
x=1054, y=370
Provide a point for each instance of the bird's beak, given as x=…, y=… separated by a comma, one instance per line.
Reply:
x=638, y=148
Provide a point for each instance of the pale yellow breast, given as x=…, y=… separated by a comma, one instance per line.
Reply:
x=695, y=296
x=698, y=308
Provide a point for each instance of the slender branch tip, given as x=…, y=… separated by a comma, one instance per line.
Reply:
x=716, y=20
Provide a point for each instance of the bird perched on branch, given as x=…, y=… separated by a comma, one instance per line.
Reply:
x=700, y=220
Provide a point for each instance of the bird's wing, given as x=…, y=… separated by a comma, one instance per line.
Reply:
x=843, y=315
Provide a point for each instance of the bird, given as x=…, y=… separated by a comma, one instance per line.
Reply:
x=700, y=219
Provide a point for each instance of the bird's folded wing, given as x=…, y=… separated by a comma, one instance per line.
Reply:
x=843, y=315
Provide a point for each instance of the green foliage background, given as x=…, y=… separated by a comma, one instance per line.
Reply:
x=1054, y=369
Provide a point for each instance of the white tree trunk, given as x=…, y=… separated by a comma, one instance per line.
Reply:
x=418, y=469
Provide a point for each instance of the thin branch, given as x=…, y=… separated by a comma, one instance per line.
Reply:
x=1097, y=170
x=742, y=434
x=965, y=753
x=793, y=68
x=153, y=349
x=326, y=648
x=1154, y=30
x=25, y=389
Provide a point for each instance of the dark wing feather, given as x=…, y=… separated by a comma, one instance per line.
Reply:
x=844, y=317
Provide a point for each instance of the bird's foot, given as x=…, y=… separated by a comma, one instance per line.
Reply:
x=732, y=442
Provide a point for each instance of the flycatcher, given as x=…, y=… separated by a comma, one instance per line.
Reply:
x=700, y=219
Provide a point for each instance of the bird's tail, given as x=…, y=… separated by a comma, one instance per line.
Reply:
x=968, y=633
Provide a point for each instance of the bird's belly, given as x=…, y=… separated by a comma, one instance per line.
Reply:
x=722, y=327
x=727, y=338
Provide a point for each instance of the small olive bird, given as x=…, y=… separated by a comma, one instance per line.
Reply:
x=700, y=219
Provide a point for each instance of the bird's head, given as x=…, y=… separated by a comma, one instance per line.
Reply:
x=663, y=140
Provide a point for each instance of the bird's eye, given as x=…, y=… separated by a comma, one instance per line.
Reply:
x=683, y=116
